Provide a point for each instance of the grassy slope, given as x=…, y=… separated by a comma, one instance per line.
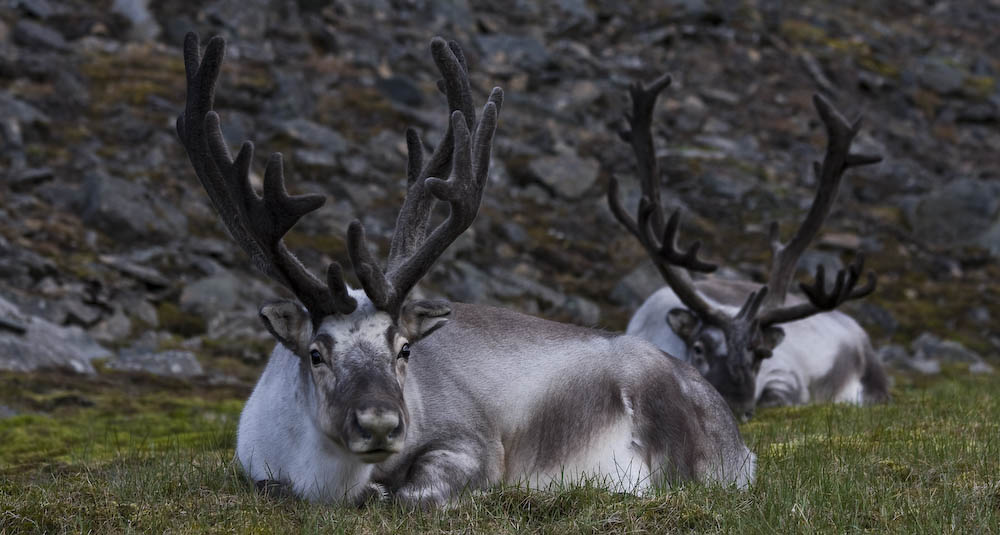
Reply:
x=145, y=458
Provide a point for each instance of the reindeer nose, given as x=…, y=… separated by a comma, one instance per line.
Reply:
x=376, y=424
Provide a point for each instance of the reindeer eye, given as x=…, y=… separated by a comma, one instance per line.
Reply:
x=317, y=359
x=698, y=348
x=404, y=352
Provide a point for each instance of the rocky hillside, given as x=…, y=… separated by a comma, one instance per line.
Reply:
x=111, y=256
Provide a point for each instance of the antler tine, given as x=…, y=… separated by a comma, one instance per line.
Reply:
x=820, y=300
x=464, y=156
x=752, y=305
x=640, y=135
x=836, y=161
x=689, y=258
x=257, y=223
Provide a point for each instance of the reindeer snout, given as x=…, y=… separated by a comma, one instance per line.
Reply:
x=376, y=432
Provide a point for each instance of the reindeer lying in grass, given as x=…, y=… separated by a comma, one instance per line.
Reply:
x=729, y=329
x=369, y=396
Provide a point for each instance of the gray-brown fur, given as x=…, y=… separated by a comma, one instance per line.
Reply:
x=558, y=427
x=874, y=379
x=846, y=363
x=466, y=370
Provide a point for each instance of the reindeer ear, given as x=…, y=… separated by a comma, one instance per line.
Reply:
x=417, y=319
x=771, y=337
x=683, y=322
x=289, y=323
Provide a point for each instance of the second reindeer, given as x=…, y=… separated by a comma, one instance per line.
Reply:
x=756, y=343
x=367, y=396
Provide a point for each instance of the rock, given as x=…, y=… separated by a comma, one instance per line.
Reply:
x=112, y=328
x=944, y=350
x=813, y=258
x=731, y=185
x=990, y=240
x=508, y=53
x=225, y=291
x=16, y=109
x=514, y=233
x=246, y=18
x=744, y=148
x=400, y=89
x=568, y=175
x=21, y=267
x=172, y=363
x=241, y=333
x=871, y=314
x=939, y=76
x=36, y=343
x=33, y=34
x=27, y=179
x=574, y=15
x=138, y=308
x=845, y=241
x=721, y=95
x=896, y=356
x=7, y=412
x=979, y=315
x=314, y=135
x=980, y=367
x=319, y=159
x=211, y=294
x=467, y=283
x=79, y=313
x=130, y=212
x=582, y=311
x=694, y=9
x=633, y=289
x=979, y=112
x=138, y=272
x=143, y=24
x=963, y=212
x=41, y=9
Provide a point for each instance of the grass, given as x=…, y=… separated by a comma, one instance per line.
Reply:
x=119, y=455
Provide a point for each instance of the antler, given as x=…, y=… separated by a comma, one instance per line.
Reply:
x=785, y=257
x=762, y=307
x=658, y=238
x=464, y=154
x=820, y=300
x=257, y=223
x=838, y=159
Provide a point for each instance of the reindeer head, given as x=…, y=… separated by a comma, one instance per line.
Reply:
x=353, y=345
x=727, y=345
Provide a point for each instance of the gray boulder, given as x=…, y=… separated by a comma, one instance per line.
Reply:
x=29, y=343
x=170, y=363
x=569, y=175
x=633, y=289
x=129, y=211
x=964, y=212
x=312, y=134
x=143, y=24
x=940, y=76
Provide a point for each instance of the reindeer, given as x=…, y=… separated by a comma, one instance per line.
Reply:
x=367, y=396
x=756, y=344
